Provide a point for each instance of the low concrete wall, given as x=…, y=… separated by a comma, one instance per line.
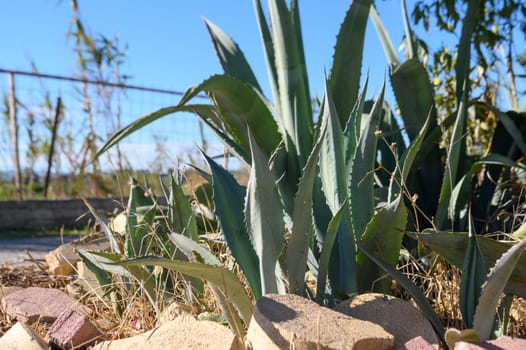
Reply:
x=37, y=214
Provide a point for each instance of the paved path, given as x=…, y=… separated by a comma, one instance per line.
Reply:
x=12, y=250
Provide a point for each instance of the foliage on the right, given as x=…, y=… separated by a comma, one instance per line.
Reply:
x=479, y=188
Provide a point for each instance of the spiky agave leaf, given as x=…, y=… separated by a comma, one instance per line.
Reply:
x=220, y=277
x=491, y=291
x=228, y=207
x=334, y=181
x=264, y=219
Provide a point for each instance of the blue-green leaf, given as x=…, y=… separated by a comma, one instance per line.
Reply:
x=326, y=250
x=382, y=238
x=228, y=207
x=414, y=95
x=193, y=250
x=270, y=57
x=334, y=181
x=301, y=233
x=220, y=277
x=180, y=211
x=351, y=133
x=104, y=277
x=494, y=286
x=137, y=229
x=333, y=172
x=239, y=106
x=362, y=182
x=410, y=42
x=264, y=218
x=385, y=39
x=295, y=103
x=407, y=159
x=473, y=276
x=145, y=280
x=346, y=68
x=463, y=64
x=230, y=56
x=453, y=164
x=114, y=245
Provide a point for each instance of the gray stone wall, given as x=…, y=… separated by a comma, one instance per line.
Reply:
x=37, y=214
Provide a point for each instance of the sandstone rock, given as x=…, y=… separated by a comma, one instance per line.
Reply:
x=44, y=304
x=85, y=283
x=395, y=315
x=173, y=311
x=183, y=333
x=290, y=321
x=87, y=276
x=503, y=342
x=22, y=337
x=118, y=223
x=417, y=343
x=71, y=330
x=62, y=260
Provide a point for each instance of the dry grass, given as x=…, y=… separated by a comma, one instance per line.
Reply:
x=441, y=285
x=137, y=317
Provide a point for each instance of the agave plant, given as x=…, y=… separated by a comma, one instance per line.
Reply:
x=311, y=194
x=314, y=201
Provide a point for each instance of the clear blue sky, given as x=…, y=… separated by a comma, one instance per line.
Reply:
x=169, y=46
x=168, y=43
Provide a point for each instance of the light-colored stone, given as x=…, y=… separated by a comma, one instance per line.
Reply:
x=503, y=342
x=118, y=223
x=395, y=315
x=63, y=259
x=87, y=276
x=44, y=304
x=173, y=311
x=71, y=330
x=22, y=337
x=290, y=321
x=185, y=332
x=417, y=343
x=85, y=283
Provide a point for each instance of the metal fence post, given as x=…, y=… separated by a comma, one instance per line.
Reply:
x=14, y=136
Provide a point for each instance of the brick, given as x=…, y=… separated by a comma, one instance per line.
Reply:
x=35, y=303
x=72, y=329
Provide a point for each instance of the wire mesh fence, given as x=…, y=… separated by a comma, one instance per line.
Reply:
x=61, y=122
